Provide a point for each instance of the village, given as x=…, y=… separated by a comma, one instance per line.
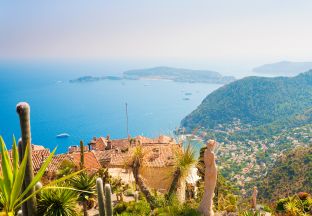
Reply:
x=115, y=155
x=244, y=161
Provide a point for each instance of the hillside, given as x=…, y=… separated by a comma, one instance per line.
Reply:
x=284, y=68
x=178, y=75
x=255, y=101
x=290, y=174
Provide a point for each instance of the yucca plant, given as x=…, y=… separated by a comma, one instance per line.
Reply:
x=86, y=184
x=185, y=160
x=12, y=177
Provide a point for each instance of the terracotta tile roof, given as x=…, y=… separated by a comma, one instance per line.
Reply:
x=100, y=144
x=120, y=159
x=38, y=158
x=39, y=154
x=155, y=155
x=57, y=161
x=160, y=155
x=90, y=161
x=104, y=157
x=120, y=143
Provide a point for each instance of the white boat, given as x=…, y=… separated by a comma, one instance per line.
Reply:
x=62, y=135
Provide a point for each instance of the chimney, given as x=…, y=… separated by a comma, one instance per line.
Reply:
x=109, y=143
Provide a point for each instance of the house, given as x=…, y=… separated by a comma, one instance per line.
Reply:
x=157, y=164
x=91, y=163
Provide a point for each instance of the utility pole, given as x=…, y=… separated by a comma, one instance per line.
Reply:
x=127, y=120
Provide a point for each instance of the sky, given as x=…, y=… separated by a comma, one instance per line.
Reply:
x=219, y=30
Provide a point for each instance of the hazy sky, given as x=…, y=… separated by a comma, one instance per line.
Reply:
x=217, y=30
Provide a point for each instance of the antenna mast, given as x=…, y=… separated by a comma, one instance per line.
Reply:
x=127, y=120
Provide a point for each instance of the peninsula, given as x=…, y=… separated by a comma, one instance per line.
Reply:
x=165, y=73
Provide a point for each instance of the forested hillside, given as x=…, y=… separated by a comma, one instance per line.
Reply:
x=256, y=101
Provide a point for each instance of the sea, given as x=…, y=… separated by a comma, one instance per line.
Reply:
x=93, y=109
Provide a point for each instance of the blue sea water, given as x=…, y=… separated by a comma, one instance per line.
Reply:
x=85, y=110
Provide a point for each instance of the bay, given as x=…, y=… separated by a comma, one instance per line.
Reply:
x=85, y=110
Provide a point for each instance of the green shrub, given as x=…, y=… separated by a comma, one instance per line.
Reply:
x=128, y=192
x=120, y=207
x=174, y=208
x=280, y=204
x=140, y=208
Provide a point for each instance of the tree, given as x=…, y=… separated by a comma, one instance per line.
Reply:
x=135, y=163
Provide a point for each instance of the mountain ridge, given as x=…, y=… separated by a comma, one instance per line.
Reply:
x=285, y=68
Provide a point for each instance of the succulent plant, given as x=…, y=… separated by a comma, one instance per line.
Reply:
x=108, y=201
x=101, y=199
x=23, y=111
x=81, y=155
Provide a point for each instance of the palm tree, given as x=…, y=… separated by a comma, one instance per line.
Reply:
x=185, y=160
x=58, y=202
x=86, y=185
x=135, y=163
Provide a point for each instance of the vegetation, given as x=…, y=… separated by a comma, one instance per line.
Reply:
x=136, y=163
x=108, y=200
x=12, y=176
x=290, y=174
x=185, y=160
x=100, y=195
x=58, y=201
x=179, y=75
x=257, y=101
x=296, y=205
x=66, y=167
x=86, y=185
x=140, y=208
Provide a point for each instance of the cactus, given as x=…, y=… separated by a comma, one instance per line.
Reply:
x=20, y=153
x=23, y=111
x=100, y=193
x=108, y=201
x=81, y=155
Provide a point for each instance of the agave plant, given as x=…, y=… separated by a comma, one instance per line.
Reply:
x=12, y=177
x=58, y=202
